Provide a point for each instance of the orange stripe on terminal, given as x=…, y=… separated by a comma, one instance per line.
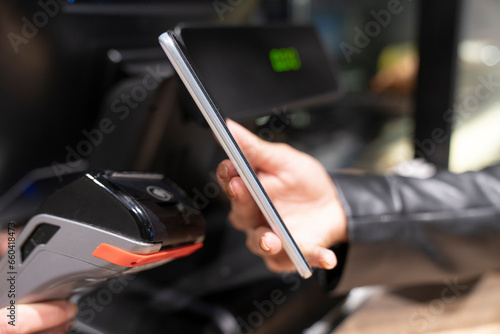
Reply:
x=125, y=258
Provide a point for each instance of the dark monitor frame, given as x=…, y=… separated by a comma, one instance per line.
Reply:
x=439, y=25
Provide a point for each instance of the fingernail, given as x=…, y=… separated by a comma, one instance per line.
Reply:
x=263, y=244
x=230, y=191
x=328, y=261
x=223, y=173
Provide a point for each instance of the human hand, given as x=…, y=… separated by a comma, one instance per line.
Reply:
x=34, y=318
x=302, y=192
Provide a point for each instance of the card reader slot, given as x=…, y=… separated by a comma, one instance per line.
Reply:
x=41, y=235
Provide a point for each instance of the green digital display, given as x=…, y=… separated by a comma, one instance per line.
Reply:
x=285, y=59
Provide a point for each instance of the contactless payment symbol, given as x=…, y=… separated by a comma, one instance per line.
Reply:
x=159, y=193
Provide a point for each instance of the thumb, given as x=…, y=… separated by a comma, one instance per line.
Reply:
x=320, y=257
x=39, y=316
x=260, y=154
x=317, y=256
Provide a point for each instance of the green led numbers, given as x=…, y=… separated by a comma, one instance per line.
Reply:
x=284, y=59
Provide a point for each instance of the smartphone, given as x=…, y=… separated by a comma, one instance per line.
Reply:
x=185, y=70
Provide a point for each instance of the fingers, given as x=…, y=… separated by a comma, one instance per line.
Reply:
x=249, y=143
x=31, y=318
x=245, y=214
x=262, y=155
x=263, y=242
x=320, y=257
x=317, y=257
x=4, y=242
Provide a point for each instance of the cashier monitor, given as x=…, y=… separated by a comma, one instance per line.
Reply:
x=250, y=72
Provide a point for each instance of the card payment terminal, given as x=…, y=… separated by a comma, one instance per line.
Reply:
x=103, y=225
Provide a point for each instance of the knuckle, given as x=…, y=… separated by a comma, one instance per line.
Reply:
x=285, y=148
x=282, y=146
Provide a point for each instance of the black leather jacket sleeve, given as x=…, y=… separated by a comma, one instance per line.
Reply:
x=406, y=231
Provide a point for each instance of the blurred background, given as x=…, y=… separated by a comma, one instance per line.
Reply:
x=420, y=92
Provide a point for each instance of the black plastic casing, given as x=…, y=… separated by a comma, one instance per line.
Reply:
x=233, y=64
x=121, y=202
